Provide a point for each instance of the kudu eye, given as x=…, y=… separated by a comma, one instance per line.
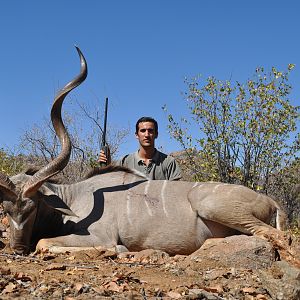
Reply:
x=27, y=206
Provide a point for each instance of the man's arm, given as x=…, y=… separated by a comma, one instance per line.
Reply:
x=173, y=170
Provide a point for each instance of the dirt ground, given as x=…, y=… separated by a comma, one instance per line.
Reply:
x=106, y=275
x=100, y=275
x=149, y=274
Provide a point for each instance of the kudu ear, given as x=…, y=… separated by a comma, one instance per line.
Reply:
x=7, y=189
x=7, y=195
x=55, y=202
x=66, y=211
x=58, y=204
x=46, y=191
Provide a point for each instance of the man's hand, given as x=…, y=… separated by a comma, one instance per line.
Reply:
x=103, y=159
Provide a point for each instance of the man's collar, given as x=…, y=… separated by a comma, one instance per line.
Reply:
x=154, y=158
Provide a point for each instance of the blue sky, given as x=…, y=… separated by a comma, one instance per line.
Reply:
x=138, y=53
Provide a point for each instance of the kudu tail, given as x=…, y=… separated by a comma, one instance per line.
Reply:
x=281, y=217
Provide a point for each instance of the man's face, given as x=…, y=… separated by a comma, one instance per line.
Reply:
x=146, y=134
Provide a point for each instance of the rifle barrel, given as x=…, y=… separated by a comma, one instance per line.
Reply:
x=105, y=122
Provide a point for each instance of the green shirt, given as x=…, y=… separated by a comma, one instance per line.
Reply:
x=160, y=167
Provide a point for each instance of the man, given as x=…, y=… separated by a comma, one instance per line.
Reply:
x=148, y=160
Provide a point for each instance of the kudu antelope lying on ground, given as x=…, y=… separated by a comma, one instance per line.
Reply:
x=120, y=207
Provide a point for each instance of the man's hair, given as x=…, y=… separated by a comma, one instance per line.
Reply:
x=146, y=119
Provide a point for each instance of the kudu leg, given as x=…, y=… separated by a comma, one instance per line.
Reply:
x=73, y=242
x=241, y=216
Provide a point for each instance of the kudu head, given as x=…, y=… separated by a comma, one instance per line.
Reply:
x=21, y=200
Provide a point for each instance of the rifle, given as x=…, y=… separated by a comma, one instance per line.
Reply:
x=104, y=145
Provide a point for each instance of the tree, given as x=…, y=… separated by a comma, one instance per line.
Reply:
x=285, y=186
x=10, y=164
x=42, y=145
x=245, y=132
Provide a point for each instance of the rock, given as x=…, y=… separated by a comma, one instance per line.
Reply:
x=148, y=256
x=120, y=249
x=235, y=251
x=282, y=281
x=202, y=294
x=174, y=295
x=151, y=256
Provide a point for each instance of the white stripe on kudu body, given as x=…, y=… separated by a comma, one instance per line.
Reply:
x=147, y=185
x=128, y=208
x=163, y=197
